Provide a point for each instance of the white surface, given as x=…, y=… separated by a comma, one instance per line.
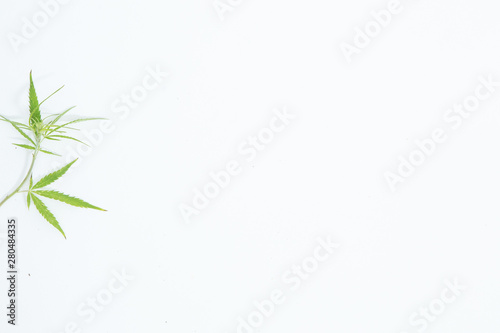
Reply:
x=322, y=176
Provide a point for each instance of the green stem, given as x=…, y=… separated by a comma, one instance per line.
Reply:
x=28, y=175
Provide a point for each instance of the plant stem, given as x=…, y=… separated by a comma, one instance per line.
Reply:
x=28, y=175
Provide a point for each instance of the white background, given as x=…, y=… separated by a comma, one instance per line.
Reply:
x=322, y=176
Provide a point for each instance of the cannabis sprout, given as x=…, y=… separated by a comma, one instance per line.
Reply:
x=36, y=131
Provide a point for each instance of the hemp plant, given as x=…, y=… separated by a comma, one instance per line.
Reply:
x=35, y=132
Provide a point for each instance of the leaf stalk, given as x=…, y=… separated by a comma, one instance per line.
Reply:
x=28, y=175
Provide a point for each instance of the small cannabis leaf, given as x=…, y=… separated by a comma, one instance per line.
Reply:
x=35, y=132
x=35, y=190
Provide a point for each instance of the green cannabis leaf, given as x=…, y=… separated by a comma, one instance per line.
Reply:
x=36, y=131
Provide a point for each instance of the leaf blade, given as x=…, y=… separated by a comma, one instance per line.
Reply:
x=47, y=215
x=21, y=125
x=50, y=96
x=29, y=192
x=49, y=152
x=73, y=122
x=52, y=177
x=67, y=199
x=24, y=146
x=19, y=129
x=35, y=116
x=66, y=137
x=60, y=115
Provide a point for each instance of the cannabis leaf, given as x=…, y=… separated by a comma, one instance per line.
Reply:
x=35, y=132
x=35, y=190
